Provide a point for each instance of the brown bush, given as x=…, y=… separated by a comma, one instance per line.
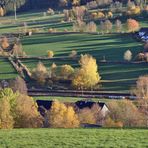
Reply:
x=126, y=112
x=4, y=43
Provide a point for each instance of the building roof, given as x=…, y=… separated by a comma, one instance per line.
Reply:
x=80, y=104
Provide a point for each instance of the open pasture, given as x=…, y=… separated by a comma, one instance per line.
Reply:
x=112, y=46
x=114, y=76
x=6, y=69
x=103, y=138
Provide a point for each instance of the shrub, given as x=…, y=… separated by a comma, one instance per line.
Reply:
x=73, y=54
x=110, y=123
x=61, y=116
x=4, y=43
x=86, y=116
x=50, y=54
x=79, y=26
x=126, y=112
x=18, y=85
x=128, y=55
x=50, y=11
x=101, y=15
x=66, y=71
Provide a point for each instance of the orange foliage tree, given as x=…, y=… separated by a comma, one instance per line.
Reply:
x=132, y=25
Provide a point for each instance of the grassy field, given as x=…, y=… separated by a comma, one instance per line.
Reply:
x=72, y=99
x=6, y=69
x=112, y=46
x=115, y=77
x=78, y=138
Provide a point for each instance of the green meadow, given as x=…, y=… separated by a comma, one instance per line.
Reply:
x=6, y=69
x=68, y=138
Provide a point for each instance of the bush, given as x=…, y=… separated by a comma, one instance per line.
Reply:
x=86, y=116
x=128, y=55
x=126, y=112
x=110, y=123
x=61, y=116
x=18, y=85
x=4, y=43
x=73, y=54
x=66, y=71
x=50, y=54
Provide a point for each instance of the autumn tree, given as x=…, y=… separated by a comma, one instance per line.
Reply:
x=66, y=71
x=87, y=75
x=18, y=84
x=6, y=119
x=128, y=55
x=108, y=25
x=86, y=116
x=132, y=25
x=61, y=116
x=50, y=54
x=17, y=50
x=4, y=43
x=73, y=54
x=26, y=113
x=118, y=25
x=91, y=115
x=53, y=69
x=1, y=11
x=126, y=112
x=79, y=26
x=91, y=27
x=40, y=73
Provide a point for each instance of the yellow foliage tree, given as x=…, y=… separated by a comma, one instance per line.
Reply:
x=27, y=115
x=6, y=119
x=50, y=54
x=66, y=71
x=87, y=76
x=61, y=116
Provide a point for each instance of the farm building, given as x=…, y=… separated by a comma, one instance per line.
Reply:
x=46, y=105
x=142, y=34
